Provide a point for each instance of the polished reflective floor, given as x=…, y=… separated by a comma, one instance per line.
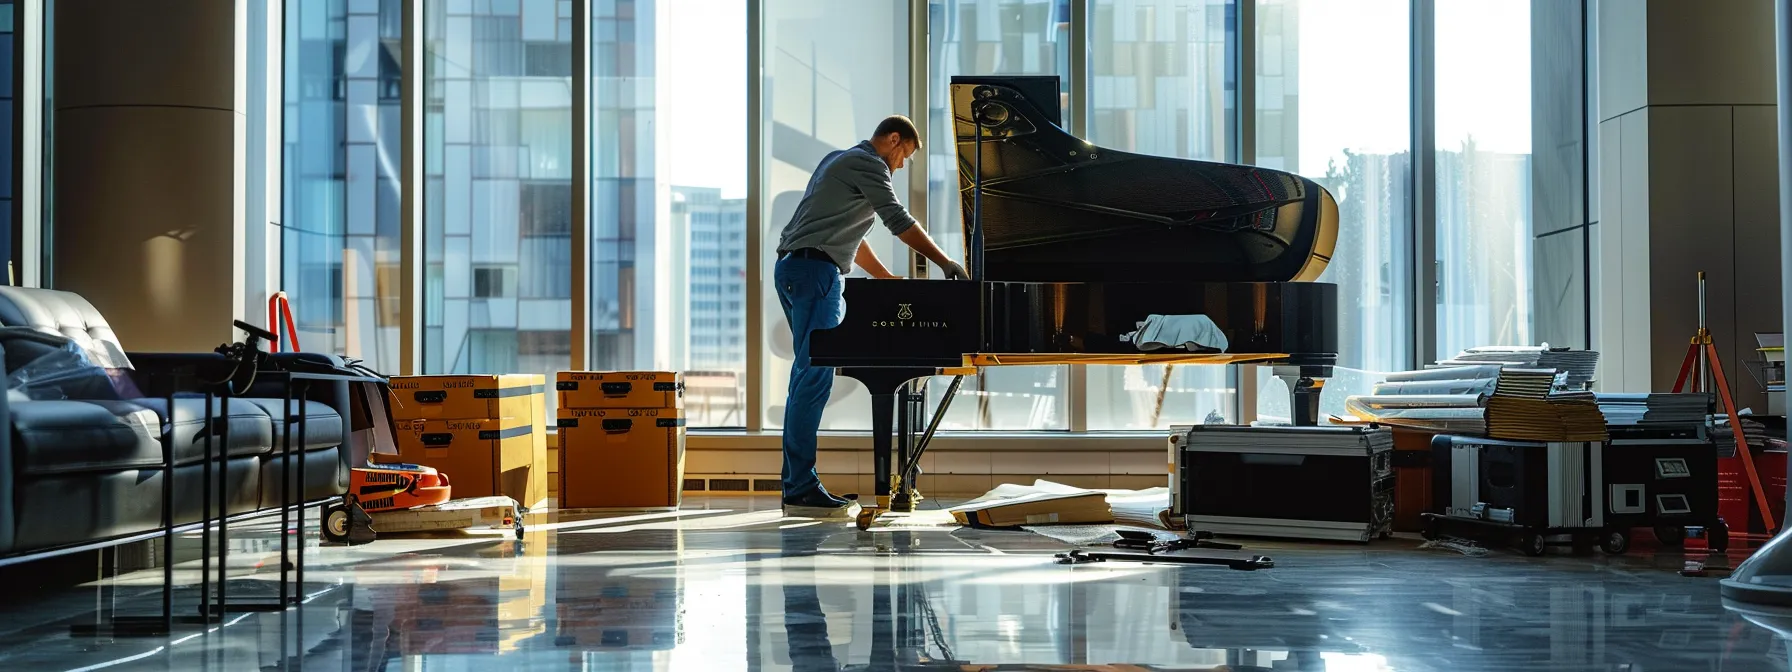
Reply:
x=727, y=585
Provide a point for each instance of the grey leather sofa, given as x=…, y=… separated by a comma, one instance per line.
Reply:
x=83, y=470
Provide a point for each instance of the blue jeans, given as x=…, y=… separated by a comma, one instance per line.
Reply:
x=810, y=291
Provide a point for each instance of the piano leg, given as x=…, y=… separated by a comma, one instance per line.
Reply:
x=882, y=405
x=1304, y=385
x=888, y=387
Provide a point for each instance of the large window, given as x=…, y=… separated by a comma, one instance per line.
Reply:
x=1159, y=84
x=497, y=96
x=669, y=209
x=1329, y=93
x=1334, y=105
x=1483, y=173
x=833, y=70
x=989, y=37
x=340, y=174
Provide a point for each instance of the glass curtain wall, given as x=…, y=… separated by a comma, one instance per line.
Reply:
x=1334, y=101
x=668, y=221
x=1160, y=83
x=668, y=206
x=497, y=229
x=832, y=71
x=989, y=37
x=340, y=176
x=1483, y=173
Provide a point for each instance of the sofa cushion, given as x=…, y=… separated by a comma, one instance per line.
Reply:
x=323, y=427
x=56, y=437
x=249, y=431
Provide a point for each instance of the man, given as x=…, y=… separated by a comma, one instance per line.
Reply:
x=823, y=240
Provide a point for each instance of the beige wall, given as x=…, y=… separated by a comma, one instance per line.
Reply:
x=1687, y=182
x=148, y=125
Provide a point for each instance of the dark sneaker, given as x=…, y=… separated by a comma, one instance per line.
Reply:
x=818, y=503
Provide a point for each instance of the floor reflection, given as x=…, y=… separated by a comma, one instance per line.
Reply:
x=731, y=588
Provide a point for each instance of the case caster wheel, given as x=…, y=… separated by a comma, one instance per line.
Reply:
x=347, y=523
x=1614, y=542
x=1671, y=536
x=335, y=527
x=1532, y=544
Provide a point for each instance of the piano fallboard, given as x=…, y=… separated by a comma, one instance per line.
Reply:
x=935, y=323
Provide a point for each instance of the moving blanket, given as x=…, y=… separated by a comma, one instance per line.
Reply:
x=1188, y=333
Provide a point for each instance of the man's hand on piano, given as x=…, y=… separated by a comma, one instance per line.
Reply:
x=954, y=271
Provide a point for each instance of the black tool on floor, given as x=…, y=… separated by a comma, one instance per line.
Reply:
x=1253, y=563
x=1138, y=540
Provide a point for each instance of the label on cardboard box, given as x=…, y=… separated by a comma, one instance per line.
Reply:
x=620, y=419
x=620, y=389
x=466, y=397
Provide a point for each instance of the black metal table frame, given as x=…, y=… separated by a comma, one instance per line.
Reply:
x=215, y=435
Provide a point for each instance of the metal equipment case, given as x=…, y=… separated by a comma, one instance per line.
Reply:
x=1523, y=490
x=1332, y=483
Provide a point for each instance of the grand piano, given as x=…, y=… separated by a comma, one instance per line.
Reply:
x=1073, y=247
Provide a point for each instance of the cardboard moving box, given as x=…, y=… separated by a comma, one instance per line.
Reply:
x=629, y=458
x=620, y=389
x=482, y=457
x=469, y=397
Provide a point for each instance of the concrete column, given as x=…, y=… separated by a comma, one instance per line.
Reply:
x=1688, y=182
x=149, y=170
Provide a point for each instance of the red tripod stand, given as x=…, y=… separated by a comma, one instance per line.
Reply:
x=1703, y=353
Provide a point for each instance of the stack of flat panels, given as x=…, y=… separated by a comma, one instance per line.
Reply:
x=1522, y=408
x=1444, y=399
x=1655, y=409
x=1579, y=365
x=1297, y=482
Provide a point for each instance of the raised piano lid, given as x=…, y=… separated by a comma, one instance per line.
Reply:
x=1056, y=208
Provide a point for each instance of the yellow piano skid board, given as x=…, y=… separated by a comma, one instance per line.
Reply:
x=455, y=514
x=1034, y=359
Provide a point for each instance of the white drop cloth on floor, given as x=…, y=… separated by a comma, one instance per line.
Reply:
x=1091, y=535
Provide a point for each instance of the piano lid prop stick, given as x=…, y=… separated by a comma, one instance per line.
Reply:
x=933, y=425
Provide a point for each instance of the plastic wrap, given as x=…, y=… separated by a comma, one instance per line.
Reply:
x=43, y=366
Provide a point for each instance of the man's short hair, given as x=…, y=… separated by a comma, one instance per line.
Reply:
x=901, y=126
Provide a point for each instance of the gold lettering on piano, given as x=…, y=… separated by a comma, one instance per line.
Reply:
x=905, y=319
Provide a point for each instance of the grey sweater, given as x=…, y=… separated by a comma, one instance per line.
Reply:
x=847, y=189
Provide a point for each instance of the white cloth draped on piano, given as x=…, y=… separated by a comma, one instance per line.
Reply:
x=1186, y=333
